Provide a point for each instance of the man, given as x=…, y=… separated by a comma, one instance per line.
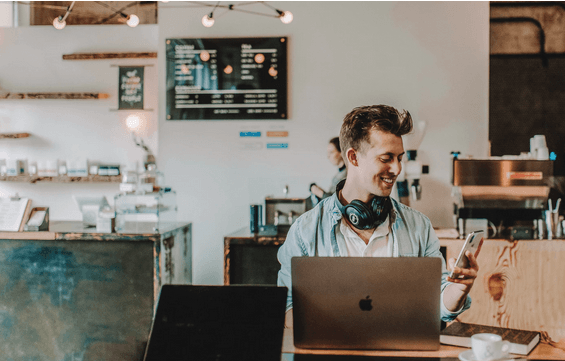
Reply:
x=372, y=148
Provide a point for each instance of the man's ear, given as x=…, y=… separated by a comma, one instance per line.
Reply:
x=352, y=157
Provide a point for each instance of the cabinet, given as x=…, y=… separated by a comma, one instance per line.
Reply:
x=71, y=294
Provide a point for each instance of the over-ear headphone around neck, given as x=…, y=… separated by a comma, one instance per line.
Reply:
x=366, y=216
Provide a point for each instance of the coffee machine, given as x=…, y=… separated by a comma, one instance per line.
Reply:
x=511, y=193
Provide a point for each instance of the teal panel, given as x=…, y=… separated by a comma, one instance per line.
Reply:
x=75, y=300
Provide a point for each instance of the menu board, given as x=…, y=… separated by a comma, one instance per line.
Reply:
x=233, y=78
x=130, y=93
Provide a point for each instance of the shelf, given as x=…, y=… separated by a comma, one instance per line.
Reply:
x=101, y=56
x=14, y=135
x=63, y=179
x=54, y=96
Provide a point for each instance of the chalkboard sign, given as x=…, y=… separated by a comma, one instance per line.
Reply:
x=131, y=87
x=235, y=78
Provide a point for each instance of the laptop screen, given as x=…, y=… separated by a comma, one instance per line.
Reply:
x=218, y=323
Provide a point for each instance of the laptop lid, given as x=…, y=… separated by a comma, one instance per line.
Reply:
x=366, y=302
x=217, y=323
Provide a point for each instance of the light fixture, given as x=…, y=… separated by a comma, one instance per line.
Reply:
x=208, y=20
x=228, y=69
x=133, y=123
x=285, y=16
x=132, y=20
x=59, y=22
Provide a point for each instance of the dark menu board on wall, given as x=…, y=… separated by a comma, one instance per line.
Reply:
x=130, y=92
x=228, y=78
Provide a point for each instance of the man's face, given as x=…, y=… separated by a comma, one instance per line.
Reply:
x=379, y=162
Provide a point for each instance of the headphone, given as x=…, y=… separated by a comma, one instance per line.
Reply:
x=364, y=216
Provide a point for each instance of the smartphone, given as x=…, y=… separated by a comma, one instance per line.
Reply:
x=473, y=243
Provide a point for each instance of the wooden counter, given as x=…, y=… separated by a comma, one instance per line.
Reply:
x=540, y=352
x=73, y=294
x=521, y=284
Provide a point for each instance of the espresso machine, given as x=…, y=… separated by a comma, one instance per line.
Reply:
x=510, y=193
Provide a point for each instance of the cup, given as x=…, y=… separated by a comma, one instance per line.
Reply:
x=255, y=219
x=488, y=346
x=539, y=141
x=542, y=153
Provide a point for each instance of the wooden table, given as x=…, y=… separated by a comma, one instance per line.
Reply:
x=521, y=284
x=540, y=352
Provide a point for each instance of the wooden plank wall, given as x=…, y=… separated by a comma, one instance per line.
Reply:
x=520, y=285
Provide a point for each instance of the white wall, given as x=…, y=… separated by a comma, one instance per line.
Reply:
x=430, y=58
x=31, y=61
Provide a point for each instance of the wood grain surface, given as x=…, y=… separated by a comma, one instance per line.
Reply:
x=62, y=178
x=14, y=135
x=520, y=285
x=54, y=96
x=101, y=56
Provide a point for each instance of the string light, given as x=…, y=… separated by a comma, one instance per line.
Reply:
x=286, y=17
x=132, y=20
x=59, y=22
x=208, y=20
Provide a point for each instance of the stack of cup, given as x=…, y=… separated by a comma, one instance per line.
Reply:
x=538, y=147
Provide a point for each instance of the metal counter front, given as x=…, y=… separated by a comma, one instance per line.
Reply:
x=70, y=294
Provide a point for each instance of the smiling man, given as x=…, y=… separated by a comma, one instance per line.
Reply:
x=362, y=220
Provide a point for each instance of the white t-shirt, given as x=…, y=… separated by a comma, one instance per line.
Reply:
x=378, y=246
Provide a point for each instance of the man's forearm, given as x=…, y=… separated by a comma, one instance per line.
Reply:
x=454, y=297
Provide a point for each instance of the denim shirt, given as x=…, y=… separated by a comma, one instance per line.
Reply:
x=411, y=234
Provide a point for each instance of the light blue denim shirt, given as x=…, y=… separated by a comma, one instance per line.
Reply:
x=411, y=234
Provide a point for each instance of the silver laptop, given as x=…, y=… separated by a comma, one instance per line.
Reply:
x=366, y=302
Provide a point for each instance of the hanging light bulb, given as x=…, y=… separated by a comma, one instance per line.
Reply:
x=59, y=23
x=208, y=20
x=132, y=20
x=286, y=17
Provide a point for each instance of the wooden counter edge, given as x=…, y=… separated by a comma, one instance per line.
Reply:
x=37, y=236
x=541, y=352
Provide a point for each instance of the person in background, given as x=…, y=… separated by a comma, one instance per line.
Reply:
x=334, y=156
x=376, y=225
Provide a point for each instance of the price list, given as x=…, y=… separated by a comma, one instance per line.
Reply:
x=235, y=78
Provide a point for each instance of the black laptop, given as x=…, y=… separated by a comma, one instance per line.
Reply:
x=218, y=323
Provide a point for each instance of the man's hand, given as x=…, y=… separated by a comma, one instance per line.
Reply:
x=456, y=293
x=317, y=191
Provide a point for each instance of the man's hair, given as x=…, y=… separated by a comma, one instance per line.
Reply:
x=361, y=120
x=335, y=142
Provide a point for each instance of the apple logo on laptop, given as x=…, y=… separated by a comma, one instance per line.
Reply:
x=365, y=304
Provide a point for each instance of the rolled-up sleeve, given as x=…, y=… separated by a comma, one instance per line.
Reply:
x=432, y=250
x=292, y=247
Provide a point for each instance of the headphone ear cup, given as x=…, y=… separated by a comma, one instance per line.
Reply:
x=359, y=214
x=381, y=207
